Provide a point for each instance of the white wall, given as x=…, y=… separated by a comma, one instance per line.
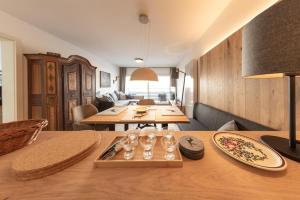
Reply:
x=237, y=14
x=9, y=97
x=114, y=71
x=30, y=39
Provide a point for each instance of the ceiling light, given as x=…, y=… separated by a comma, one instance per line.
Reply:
x=143, y=18
x=139, y=60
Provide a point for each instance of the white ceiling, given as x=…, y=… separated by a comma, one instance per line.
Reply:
x=110, y=28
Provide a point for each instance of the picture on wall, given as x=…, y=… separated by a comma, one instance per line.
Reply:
x=105, y=79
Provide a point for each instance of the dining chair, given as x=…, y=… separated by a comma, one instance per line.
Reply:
x=83, y=111
x=145, y=102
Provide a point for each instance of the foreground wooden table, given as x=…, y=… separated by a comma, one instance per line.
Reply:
x=119, y=119
x=214, y=177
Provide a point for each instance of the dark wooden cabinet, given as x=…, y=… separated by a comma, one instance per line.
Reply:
x=56, y=85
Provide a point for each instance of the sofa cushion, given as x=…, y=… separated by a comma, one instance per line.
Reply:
x=229, y=126
x=123, y=97
x=108, y=98
x=103, y=104
x=194, y=125
x=114, y=96
x=117, y=93
x=122, y=103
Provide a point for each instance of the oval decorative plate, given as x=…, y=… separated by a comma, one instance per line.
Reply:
x=249, y=151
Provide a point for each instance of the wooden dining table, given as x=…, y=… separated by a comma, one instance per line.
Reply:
x=215, y=176
x=127, y=117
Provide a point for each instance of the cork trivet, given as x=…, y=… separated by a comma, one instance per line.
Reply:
x=191, y=147
x=53, y=170
x=48, y=170
x=58, y=163
x=191, y=144
x=54, y=155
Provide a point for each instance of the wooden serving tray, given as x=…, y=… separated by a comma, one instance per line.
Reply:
x=138, y=161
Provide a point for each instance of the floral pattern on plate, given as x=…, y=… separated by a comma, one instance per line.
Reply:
x=249, y=151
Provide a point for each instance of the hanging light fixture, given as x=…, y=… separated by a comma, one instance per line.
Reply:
x=144, y=73
x=139, y=60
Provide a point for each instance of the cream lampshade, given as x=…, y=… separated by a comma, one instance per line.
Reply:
x=144, y=74
x=271, y=48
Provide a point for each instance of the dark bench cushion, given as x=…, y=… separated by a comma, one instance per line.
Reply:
x=194, y=125
x=213, y=119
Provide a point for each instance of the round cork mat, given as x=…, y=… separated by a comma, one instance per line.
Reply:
x=54, y=155
x=191, y=144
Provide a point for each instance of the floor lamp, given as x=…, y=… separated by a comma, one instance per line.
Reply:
x=271, y=48
x=176, y=75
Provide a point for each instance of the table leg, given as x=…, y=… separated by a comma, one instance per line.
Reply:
x=125, y=127
x=111, y=127
x=164, y=126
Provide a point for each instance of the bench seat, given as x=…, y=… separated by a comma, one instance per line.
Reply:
x=208, y=118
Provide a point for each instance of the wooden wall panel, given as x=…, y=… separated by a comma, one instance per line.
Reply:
x=252, y=100
x=202, y=76
x=235, y=89
x=36, y=112
x=222, y=86
x=215, y=77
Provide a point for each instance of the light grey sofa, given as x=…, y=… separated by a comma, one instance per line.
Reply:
x=111, y=99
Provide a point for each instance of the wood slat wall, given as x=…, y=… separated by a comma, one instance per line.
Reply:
x=222, y=86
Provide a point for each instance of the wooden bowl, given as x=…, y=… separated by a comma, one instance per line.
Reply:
x=16, y=135
x=141, y=109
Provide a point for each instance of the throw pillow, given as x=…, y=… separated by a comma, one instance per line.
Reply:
x=229, y=126
x=108, y=98
x=117, y=93
x=103, y=104
x=114, y=96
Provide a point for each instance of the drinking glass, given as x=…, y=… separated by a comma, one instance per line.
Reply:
x=148, y=141
x=133, y=135
x=169, y=144
x=168, y=133
x=128, y=148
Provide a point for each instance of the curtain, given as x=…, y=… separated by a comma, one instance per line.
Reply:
x=173, y=78
x=173, y=82
x=122, y=79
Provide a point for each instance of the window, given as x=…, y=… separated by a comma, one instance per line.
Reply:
x=160, y=90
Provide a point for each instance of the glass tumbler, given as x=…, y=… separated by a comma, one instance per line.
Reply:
x=169, y=144
x=148, y=142
x=168, y=133
x=133, y=136
x=128, y=149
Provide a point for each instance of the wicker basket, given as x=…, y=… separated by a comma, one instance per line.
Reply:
x=15, y=135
